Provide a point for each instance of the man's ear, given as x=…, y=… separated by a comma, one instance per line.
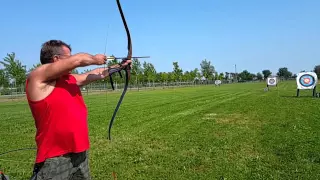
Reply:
x=55, y=58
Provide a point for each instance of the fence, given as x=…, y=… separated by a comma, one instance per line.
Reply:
x=18, y=91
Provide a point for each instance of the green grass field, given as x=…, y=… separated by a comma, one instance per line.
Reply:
x=235, y=131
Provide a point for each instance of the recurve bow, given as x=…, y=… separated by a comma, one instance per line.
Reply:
x=127, y=68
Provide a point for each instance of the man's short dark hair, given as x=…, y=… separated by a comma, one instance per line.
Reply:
x=51, y=48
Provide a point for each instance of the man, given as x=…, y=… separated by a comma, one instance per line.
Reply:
x=59, y=110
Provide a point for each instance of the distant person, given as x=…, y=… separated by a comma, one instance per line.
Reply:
x=59, y=111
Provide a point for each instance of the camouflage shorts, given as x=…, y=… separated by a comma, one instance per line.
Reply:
x=71, y=166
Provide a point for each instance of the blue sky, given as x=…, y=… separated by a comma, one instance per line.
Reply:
x=253, y=34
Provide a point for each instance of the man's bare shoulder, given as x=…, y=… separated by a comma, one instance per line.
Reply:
x=36, y=88
x=36, y=73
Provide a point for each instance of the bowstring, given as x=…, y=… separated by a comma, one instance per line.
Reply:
x=106, y=65
x=105, y=47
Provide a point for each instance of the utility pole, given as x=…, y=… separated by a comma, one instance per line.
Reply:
x=235, y=71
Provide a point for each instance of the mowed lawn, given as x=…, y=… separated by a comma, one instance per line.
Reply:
x=235, y=131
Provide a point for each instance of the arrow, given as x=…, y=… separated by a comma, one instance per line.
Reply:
x=111, y=57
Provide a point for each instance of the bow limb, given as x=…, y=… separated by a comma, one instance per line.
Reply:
x=118, y=105
x=127, y=68
x=129, y=46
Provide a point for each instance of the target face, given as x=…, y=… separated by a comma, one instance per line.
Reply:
x=307, y=80
x=217, y=82
x=272, y=81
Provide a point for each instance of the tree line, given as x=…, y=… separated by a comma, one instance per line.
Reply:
x=14, y=73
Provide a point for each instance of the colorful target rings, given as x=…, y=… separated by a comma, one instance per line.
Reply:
x=307, y=80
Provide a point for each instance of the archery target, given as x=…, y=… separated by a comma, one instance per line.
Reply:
x=272, y=81
x=307, y=80
x=217, y=82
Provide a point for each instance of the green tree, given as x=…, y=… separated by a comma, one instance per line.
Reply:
x=266, y=73
x=284, y=72
x=136, y=70
x=259, y=76
x=207, y=69
x=221, y=76
x=158, y=77
x=226, y=77
x=177, y=71
x=317, y=70
x=194, y=73
x=294, y=76
x=149, y=72
x=153, y=72
x=14, y=69
x=216, y=76
x=145, y=71
x=187, y=76
x=171, y=77
x=245, y=75
x=252, y=76
x=164, y=77
x=4, y=79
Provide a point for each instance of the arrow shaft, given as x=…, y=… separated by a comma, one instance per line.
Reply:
x=126, y=57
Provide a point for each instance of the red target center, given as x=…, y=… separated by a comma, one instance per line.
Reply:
x=306, y=80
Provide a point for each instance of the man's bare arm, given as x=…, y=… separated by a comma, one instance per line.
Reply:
x=52, y=71
x=93, y=75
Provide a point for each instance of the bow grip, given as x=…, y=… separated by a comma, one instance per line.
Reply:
x=114, y=70
x=111, y=72
x=128, y=67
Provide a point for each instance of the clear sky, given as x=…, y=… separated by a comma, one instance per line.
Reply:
x=254, y=34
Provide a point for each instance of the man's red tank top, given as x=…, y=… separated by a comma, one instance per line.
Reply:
x=61, y=120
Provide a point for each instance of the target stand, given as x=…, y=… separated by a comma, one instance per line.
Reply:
x=217, y=82
x=271, y=81
x=307, y=81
